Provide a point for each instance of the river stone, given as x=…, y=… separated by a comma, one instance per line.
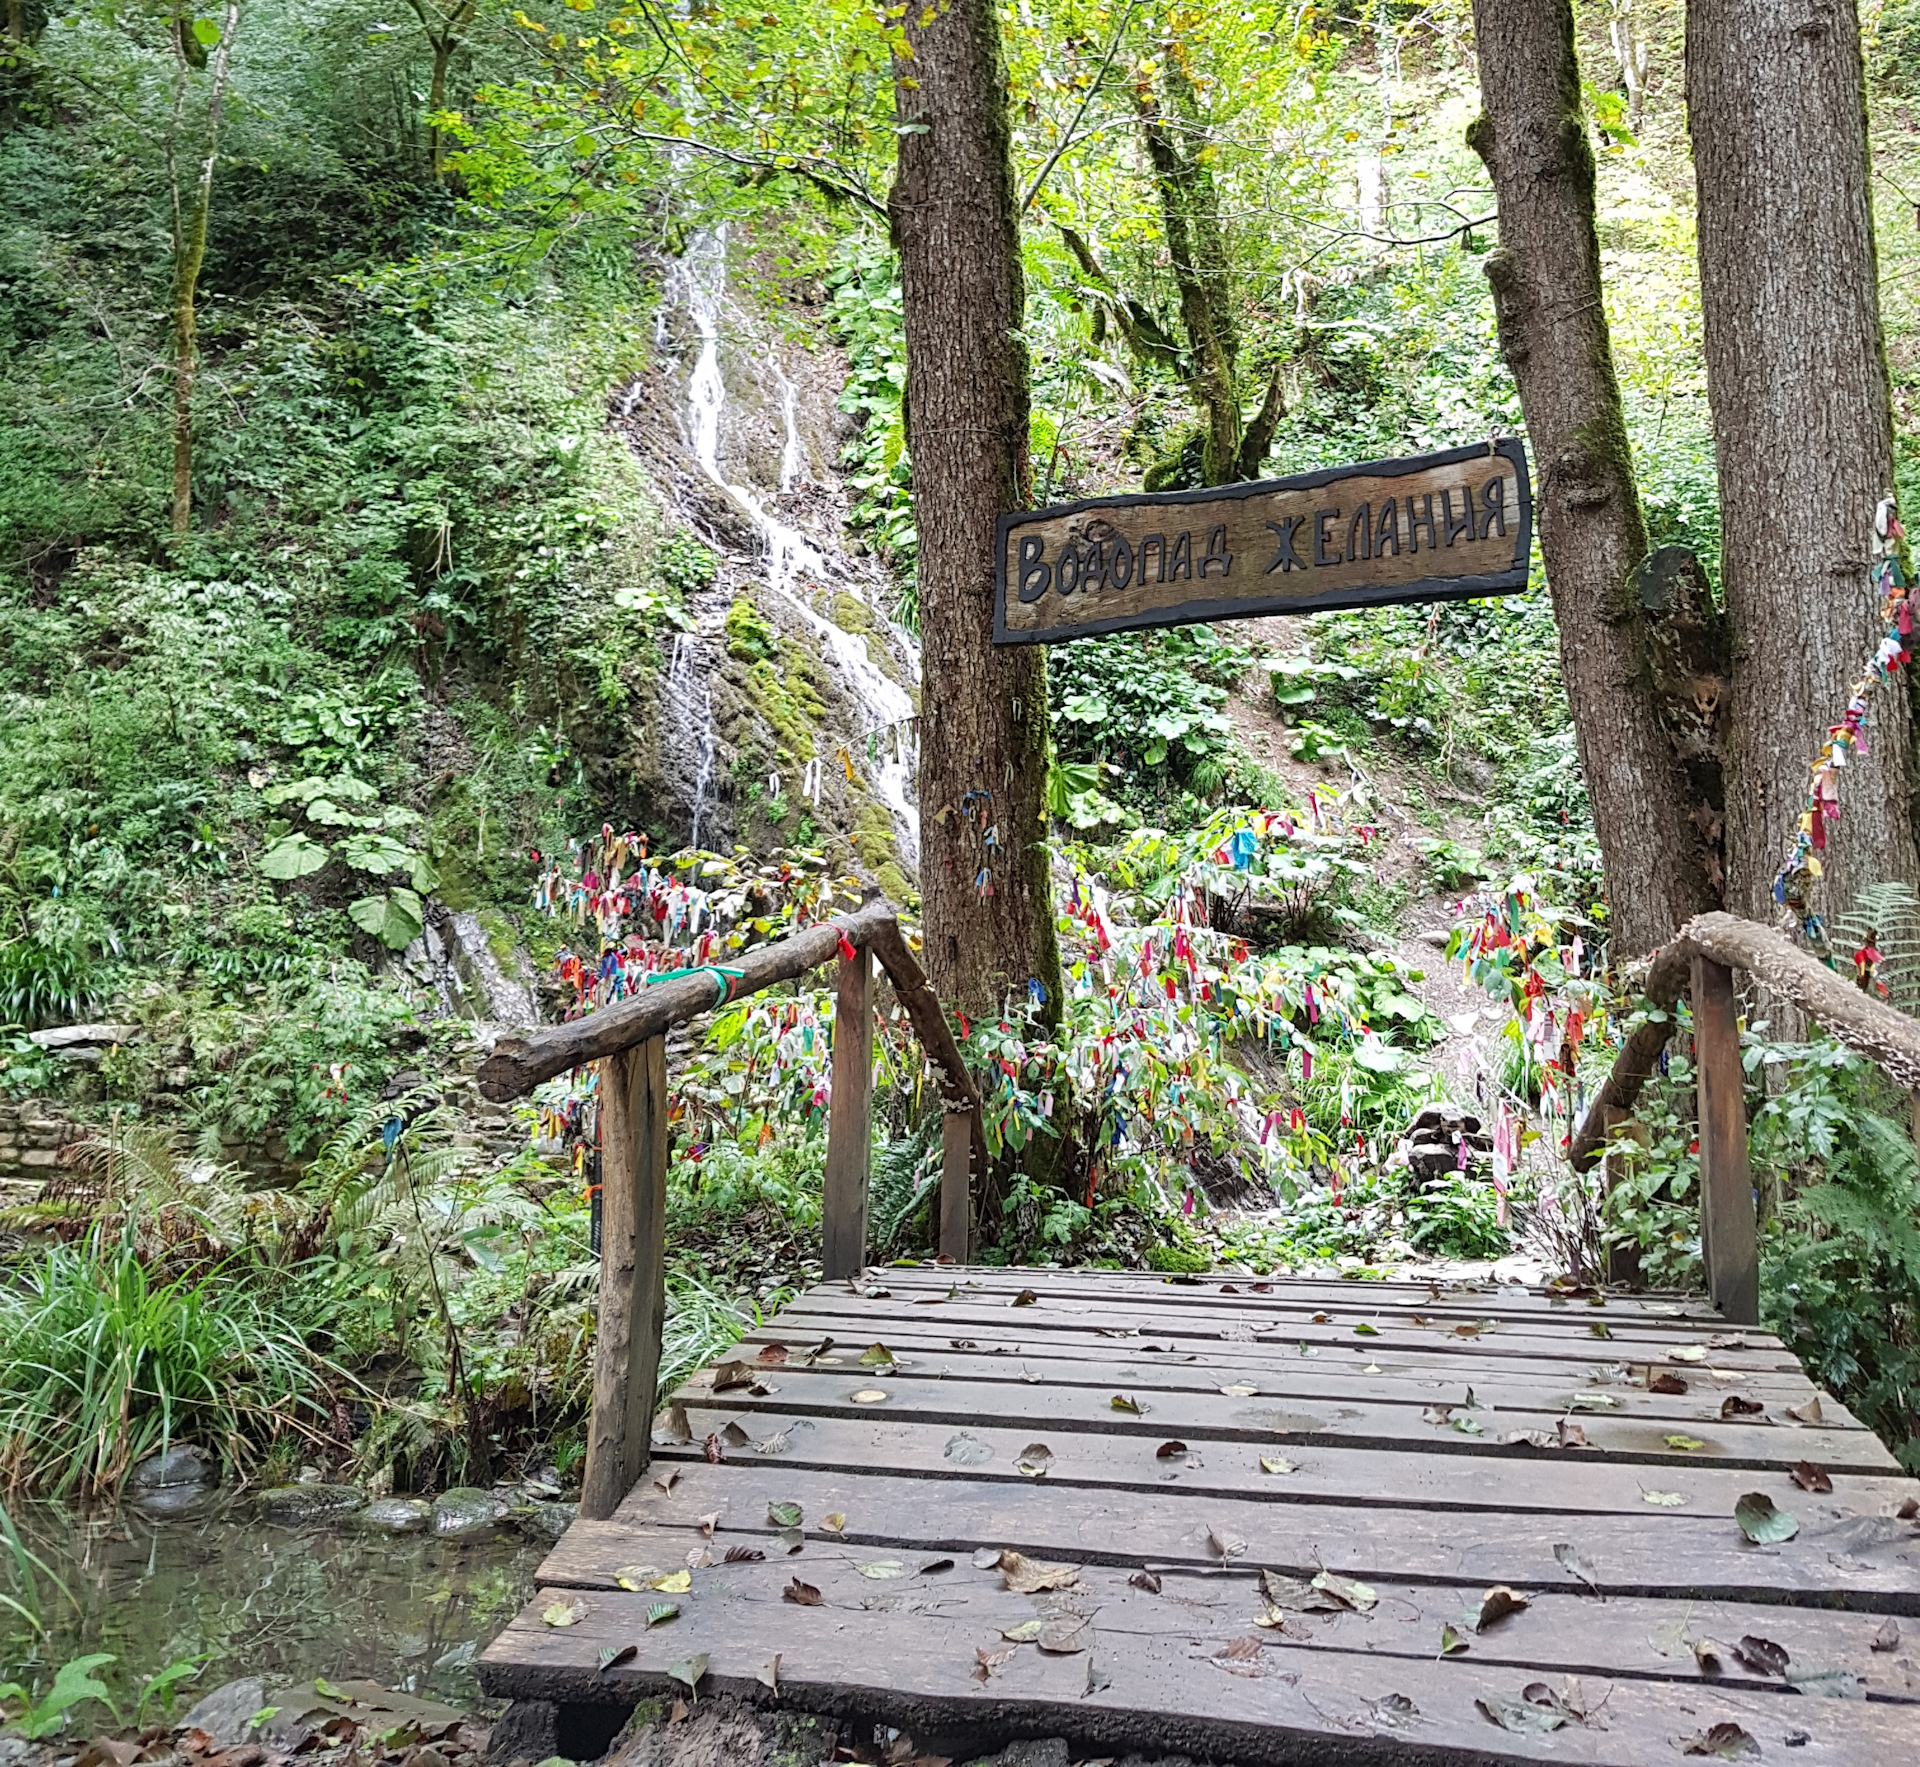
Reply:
x=465, y=1511
x=309, y=1503
x=396, y=1515
x=182, y=1464
x=547, y=1521
x=226, y=1712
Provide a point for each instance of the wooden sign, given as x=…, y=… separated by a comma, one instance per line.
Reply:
x=1437, y=527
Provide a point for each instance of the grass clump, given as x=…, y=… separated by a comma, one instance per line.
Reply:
x=104, y=1361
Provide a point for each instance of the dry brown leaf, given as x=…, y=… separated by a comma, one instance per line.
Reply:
x=1028, y=1576
x=771, y=1355
x=1807, y=1413
x=666, y=1481
x=709, y=1522
x=803, y=1594
x=732, y=1374
x=1146, y=1580
x=1666, y=1381
x=1738, y=1405
x=735, y=1436
x=1225, y=1544
x=677, y=1429
x=1810, y=1477
x=988, y=1663
x=1497, y=1604
x=743, y=1555
x=1888, y=1637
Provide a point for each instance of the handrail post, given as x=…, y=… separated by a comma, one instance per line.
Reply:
x=633, y=1274
x=1728, y=1242
x=956, y=1183
x=843, y=1202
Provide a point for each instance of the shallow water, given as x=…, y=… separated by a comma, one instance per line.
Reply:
x=254, y=1598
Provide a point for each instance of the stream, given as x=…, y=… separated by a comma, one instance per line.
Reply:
x=409, y=1611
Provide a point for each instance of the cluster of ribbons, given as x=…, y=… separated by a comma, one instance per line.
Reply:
x=1793, y=884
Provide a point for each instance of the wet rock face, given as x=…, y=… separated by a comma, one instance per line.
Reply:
x=548, y=1521
x=227, y=1713
x=180, y=1465
x=465, y=1511
x=396, y=1515
x=298, y=1504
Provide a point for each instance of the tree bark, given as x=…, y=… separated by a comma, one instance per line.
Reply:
x=984, y=734
x=189, y=254
x=1797, y=378
x=1655, y=824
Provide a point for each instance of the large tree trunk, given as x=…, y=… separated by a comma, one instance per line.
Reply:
x=984, y=730
x=1655, y=819
x=1802, y=430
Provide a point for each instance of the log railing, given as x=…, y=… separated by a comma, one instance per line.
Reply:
x=1701, y=962
x=628, y=1040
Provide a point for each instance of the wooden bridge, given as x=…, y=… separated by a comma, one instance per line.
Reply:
x=1290, y=1521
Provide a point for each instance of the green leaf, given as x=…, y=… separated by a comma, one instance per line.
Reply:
x=296, y=855
x=424, y=877
x=395, y=919
x=206, y=31
x=1762, y=1522
x=378, y=853
x=783, y=1515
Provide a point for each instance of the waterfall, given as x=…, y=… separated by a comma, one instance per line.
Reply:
x=691, y=696
x=791, y=559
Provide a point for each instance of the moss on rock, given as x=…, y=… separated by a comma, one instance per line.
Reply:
x=750, y=639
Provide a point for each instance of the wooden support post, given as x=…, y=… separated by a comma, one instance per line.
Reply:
x=1727, y=1232
x=843, y=1204
x=633, y=1274
x=956, y=1184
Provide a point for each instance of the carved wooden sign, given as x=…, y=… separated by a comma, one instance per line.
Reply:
x=1437, y=527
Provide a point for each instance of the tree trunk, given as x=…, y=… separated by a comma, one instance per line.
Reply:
x=1190, y=217
x=1655, y=824
x=1802, y=429
x=189, y=253
x=984, y=863
x=443, y=48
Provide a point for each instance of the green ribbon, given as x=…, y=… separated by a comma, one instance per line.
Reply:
x=723, y=978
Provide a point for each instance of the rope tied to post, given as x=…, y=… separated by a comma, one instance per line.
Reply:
x=725, y=980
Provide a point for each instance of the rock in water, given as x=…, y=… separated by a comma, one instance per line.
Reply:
x=465, y=1511
x=396, y=1515
x=182, y=1464
x=226, y=1714
x=547, y=1521
x=297, y=1504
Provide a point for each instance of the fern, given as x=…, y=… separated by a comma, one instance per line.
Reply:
x=1887, y=916
x=905, y=1173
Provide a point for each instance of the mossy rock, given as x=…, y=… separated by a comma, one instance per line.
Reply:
x=851, y=614
x=873, y=839
x=895, y=882
x=789, y=705
x=750, y=639
x=501, y=940
x=1176, y=1261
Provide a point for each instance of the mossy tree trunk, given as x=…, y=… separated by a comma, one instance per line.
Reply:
x=1656, y=826
x=983, y=762
x=1802, y=428
x=1176, y=139
x=446, y=23
x=191, y=207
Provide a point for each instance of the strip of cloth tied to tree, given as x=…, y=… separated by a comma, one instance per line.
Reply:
x=1793, y=885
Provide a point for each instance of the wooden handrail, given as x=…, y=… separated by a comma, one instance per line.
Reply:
x=629, y=1042
x=1866, y=1025
x=1701, y=962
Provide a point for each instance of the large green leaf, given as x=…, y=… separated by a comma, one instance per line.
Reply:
x=424, y=877
x=395, y=919
x=378, y=853
x=294, y=855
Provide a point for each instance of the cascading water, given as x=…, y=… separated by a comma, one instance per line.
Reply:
x=692, y=698
x=791, y=558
